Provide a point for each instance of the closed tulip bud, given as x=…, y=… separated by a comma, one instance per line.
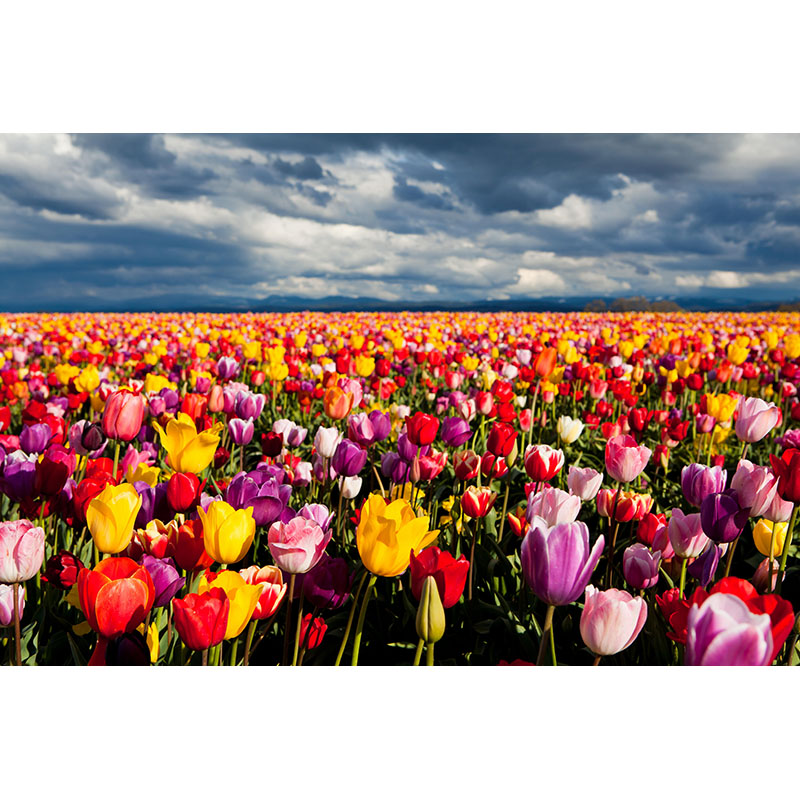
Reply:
x=182, y=489
x=640, y=566
x=761, y=577
x=699, y=481
x=123, y=415
x=466, y=464
x=241, y=431
x=542, y=462
x=569, y=430
x=216, y=399
x=312, y=631
x=611, y=620
x=770, y=536
x=326, y=440
x=625, y=459
x=721, y=516
x=430, y=614
x=756, y=419
x=455, y=431
x=92, y=439
x=686, y=534
x=201, y=619
x=501, y=440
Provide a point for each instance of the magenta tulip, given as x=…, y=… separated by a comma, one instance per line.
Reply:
x=640, y=566
x=7, y=604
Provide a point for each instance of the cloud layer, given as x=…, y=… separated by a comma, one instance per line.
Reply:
x=187, y=221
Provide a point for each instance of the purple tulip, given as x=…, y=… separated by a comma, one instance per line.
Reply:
x=722, y=632
x=87, y=439
x=558, y=562
x=202, y=385
x=268, y=499
x=166, y=578
x=249, y=405
x=35, y=438
x=405, y=449
x=349, y=459
x=360, y=429
x=157, y=406
x=172, y=399
x=640, y=566
x=455, y=431
x=19, y=476
x=241, y=430
x=227, y=368
x=154, y=504
x=704, y=567
x=328, y=584
x=721, y=516
x=698, y=481
x=381, y=424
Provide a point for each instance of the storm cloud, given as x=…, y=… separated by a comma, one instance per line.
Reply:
x=194, y=220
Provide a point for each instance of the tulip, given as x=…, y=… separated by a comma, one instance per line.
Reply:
x=569, y=430
x=35, y=438
x=337, y=402
x=625, y=460
x=123, y=415
x=430, y=614
x=241, y=431
x=201, y=620
x=62, y=570
x=227, y=532
x=167, y=582
x=7, y=604
x=542, y=462
x=327, y=585
x=188, y=450
x=349, y=458
x=449, y=573
x=297, y=545
x=756, y=419
x=21, y=551
x=185, y=546
x=326, y=440
x=476, y=503
x=721, y=516
x=552, y=506
x=116, y=596
x=273, y=589
x=182, y=490
x=640, y=566
x=723, y=632
x=584, y=483
x=770, y=536
x=111, y=516
x=421, y=429
x=705, y=565
x=648, y=528
x=312, y=631
x=387, y=534
x=227, y=368
x=686, y=534
x=558, y=562
x=611, y=620
x=787, y=468
x=243, y=598
x=501, y=439
x=755, y=487
x=360, y=429
x=466, y=465
x=455, y=431
x=699, y=481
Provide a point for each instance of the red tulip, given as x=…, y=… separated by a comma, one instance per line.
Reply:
x=201, y=620
x=449, y=573
x=476, y=503
x=501, y=439
x=182, y=489
x=186, y=547
x=787, y=468
x=116, y=596
x=421, y=429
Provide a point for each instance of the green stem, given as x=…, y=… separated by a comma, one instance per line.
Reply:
x=548, y=624
x=729, y=561
x=683, y=576
x=285, y=659
x=116, y=458
x=418, y=654
x=251, y=632
x=505, y=508
x=17, y=639
x=297, y=632
x=429, y=655
x=350, y=621
x=360, y=625
x=786, y=544
x=234, y=651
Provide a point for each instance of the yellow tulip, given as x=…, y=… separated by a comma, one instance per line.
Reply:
x=110, y=517
x=387, y=534
x=721, y=406
x=227, y=533
x=143, y=472
x=243, y=598
x=188, y=450
x=762, y=536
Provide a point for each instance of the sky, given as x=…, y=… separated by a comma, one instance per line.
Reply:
x=164, y=221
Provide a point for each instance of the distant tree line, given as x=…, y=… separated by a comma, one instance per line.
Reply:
x=632, y=304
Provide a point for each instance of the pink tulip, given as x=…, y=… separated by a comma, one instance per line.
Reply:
x=779, y=510
x=611, y=620
x=625, y=460
x=553, y=506
x=723, y=632
x=21, y=550
x=756, y=419
x=7, y=604
x=123, y=415
x=686, y=534
x=297, y=545
x=755, y=487
x=584, y=483
x=661, y=542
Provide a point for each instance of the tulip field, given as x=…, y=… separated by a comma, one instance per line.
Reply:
x=320, y=489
